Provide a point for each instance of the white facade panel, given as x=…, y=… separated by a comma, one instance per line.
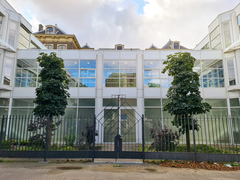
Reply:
x=214, y=93
x=24, y=92
x=111, y=55
x=128, y=54
x=73, y=54
x=225, y=17
x=229, y=55
x=28, y=54
x=213, y=25
x=14, y=16
x=73, y=92
x=26, y=23
x=151, y=54
x=206, y=54
x=129, y=92
x=5, y=94
x=87, y=54
x=108, y=92
x=87, y=92
x=152, y=92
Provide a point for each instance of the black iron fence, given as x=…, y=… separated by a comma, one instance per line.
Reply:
x=214, y=138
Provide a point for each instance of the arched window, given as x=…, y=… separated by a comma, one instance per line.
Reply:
x=49, y=46
x=62, y=47
x=49, y=30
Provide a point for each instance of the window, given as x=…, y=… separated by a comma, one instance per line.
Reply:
x=238, y=19
x=62, y=46
x=207, y=46
x=49, y=30
x=119, y=73
x=72, y=68
x=231, y=73
x=215, y=39
x=212, y=73
x=24, y=38
x=26, y=73
x=119, y=47
x=227, y=34
x=1, y=21
x=4, y=104
x=8, y=71
x=33, y=46
x=153, y=77
x=176, y=46
x=49, y=46
x=12, y=33
x=87, y=73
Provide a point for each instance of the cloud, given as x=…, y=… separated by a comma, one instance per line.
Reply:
x=104, y=23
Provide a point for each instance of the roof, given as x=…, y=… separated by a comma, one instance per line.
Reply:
x=152, y=47
x=57, y=31
x=86, y=46
x=168, y=45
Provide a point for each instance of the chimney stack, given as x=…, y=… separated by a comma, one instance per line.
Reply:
x=40, y=27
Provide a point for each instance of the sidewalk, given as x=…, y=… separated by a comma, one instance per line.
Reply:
x=30, y=169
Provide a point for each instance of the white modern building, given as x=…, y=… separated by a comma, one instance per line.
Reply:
x=96, y=75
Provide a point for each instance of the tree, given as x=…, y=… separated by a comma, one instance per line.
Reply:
x=52, y=95
x=184, y=99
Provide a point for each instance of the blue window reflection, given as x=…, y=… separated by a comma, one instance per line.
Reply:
x=88, y=64
x=73, y=72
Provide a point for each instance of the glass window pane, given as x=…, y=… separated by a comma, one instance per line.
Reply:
x=128, y=64
x=215, y=33
x=128, y=73
x=111, y=73
x=110, y=102
x=235, y=112
x=71, y=63
x=147, y=73
x=86, y=102
x=86, y=112
x=22, y=111
x=87, y=82
x=72, y=102
x=91, y=73
x=151, y=82
x=129, y=102
x=111, y=64
x=27, y=63
x=152, y=102
x=87, y=64
x=234, y=102
x=151, y=65
x=83, y=73
x=4, y=102
x=128, y=82
x=111, y=82
x=72, y=73
x=23, y=102
x=217, y=102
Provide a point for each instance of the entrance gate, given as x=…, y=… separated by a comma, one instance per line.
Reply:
x=120, y=131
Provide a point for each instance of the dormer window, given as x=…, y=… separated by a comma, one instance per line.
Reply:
x=119, y=47
x=49, y=30
x=176, y=45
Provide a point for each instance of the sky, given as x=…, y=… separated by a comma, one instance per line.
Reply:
x=134, y=23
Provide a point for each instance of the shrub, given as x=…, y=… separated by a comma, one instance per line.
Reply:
x=24, y=143
x=9, y=143
x=69, y=141
x=86, y=139
x=164, y=138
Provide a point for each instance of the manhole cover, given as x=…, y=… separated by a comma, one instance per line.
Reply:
x=69, y=168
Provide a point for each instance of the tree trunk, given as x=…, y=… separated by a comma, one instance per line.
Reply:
x=49, y=134
x=188, y=140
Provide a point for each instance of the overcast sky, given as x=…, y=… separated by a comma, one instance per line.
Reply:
x=134, y=23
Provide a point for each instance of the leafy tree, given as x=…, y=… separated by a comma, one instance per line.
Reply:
x=52, y=95
x=184, y=99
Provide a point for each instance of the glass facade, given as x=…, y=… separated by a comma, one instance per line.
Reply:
x=227, y=34
x=215, y=39
x=119, y=73
x=12, y=33
x=153, y=76
x=212, y=73
x=26, y=73
x=231, y=73
x=8, y=71
x=24, y=38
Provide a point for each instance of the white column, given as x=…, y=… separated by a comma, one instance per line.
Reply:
x=234, y=27
x=140, y=98
x=237, y=64
x=99, y=99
